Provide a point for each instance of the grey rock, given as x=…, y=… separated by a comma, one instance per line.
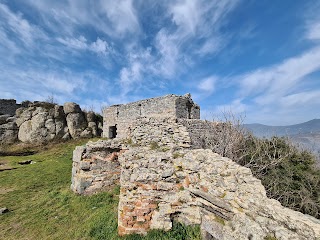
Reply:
x=87, y=133
x=25, y=162
x=3, y=118
x=90, y=116
x=71, y=107
x=4, y=210
x=58, y=112
x=76, y=124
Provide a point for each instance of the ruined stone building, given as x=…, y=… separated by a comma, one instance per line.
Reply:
x=157, y=154
x=8, y=107
x=118, y=117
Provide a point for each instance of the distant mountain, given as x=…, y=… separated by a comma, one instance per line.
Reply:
x=260, y=130
x=306, y=135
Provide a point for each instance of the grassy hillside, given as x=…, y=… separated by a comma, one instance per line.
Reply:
x=43, y=207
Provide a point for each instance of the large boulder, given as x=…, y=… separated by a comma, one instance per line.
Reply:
x=41, y=122
x=76, y=123
x=8, y=131
x=71, y=107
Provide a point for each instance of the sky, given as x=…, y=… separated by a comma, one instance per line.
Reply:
x=257, y=58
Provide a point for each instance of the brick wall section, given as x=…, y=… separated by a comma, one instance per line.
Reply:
x=8, y=106
x=149, y=187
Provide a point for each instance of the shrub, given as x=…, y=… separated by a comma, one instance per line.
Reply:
x=288, y=173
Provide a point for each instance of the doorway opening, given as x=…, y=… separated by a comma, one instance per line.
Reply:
x=113, y=131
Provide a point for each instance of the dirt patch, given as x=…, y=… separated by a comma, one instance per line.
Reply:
x=17, y=153
x=6, y=190
x=4, y=165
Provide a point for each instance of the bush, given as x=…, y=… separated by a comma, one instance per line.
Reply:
x=288, y=173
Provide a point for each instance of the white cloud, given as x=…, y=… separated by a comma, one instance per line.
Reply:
x=122, y=15
x=313, y=31
x=196, y=33
x=114, y=19
x=99, y=46
x=270, y=83
x=301, y=99
x=131, y=76
x=169, y=54
x=186, y=15
x=75, y=43
x=207, y=85
x=18, y=25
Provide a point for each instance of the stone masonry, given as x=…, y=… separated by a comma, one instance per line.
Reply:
x=117, y=117
x=8, y=107
x=166, y=176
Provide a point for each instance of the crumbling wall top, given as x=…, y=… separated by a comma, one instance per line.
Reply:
x=8, y=106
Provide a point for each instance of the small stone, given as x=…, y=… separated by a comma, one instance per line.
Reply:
x=25, y=162
x=168, y=173
x=4, y=210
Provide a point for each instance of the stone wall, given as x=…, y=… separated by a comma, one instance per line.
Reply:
x=161, y=132
x=192, y=186
x=164, y=179
x=200, y=131
x=96, y=167
x=118, y=117
x=201, y=187
x=8, y=107
x=40, y=122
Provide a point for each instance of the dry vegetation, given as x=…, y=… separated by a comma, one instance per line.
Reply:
x=288, y=172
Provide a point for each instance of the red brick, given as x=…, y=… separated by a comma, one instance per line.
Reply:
x=121, y=230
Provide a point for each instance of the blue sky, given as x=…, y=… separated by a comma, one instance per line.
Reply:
x=259, y=58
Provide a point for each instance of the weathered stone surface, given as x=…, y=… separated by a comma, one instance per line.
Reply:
x=76, y=124
x=226, y=211
x=8, y=106
x=3, y=118
x=71, y=107
x=96, y=166
x=163, y=180
x=91, y=116
x=4, y=210
x=40, y=122
x=40, y=128
x=169, y=106
x=8, y=129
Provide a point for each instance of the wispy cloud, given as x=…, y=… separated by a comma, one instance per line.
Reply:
x=81, y=43
x=268, y=84
x=114, y=19
x=15, y=23
x=207, y=85
x=313, y=28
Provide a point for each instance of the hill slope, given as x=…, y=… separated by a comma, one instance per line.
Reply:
x=306, y=135
x=260, y=130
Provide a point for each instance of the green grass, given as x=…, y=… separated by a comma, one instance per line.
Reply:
x=43, y=207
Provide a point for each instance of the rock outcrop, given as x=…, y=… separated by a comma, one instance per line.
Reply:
x=41, y=122
x=163, y=177
x=8, y=129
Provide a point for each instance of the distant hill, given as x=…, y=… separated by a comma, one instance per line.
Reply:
x=305, y=134
x=260, y=130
